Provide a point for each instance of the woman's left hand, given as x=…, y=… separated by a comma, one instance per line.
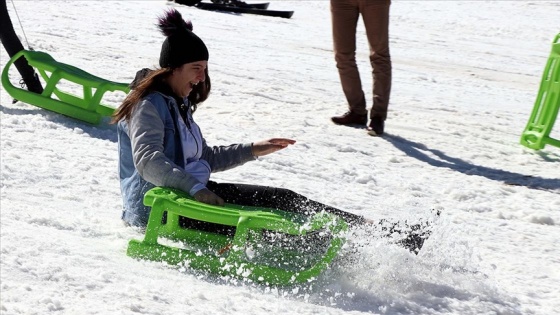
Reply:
x=265, y=147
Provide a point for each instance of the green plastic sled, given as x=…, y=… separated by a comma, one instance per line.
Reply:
x=87, y=108
x=268, y=246
x=545, y=111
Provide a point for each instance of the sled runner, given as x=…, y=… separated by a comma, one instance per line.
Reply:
x=545, y=111
x=87, y=108
x=266, y=245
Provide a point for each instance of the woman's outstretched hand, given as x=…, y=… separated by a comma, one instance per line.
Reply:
x=265, y=147
x=206, y=196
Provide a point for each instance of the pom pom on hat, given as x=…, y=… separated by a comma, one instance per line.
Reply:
x=173, y=22
x=181, y=45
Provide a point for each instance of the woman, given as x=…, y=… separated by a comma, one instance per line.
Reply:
x=161, y=145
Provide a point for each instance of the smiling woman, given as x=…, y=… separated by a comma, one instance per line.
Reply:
x=161, y=145
x=186, y=77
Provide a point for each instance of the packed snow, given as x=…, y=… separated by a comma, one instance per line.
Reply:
x=465, y=78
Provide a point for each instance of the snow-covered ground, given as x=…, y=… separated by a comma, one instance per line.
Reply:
x=466, y=74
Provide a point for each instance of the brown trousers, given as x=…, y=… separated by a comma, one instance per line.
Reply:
x=375, y=14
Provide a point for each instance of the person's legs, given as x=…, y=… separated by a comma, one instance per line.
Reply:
x=11, y=43
x=345, y=15
x=375, y=14
x=277, y=198
x=290, y=201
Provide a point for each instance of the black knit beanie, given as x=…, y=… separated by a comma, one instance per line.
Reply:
x=181, y=45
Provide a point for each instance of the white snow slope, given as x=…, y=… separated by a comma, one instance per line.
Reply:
x=466, y=75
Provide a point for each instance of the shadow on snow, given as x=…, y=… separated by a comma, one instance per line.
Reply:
x=420, y=152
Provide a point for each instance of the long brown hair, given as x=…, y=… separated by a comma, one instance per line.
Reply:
x=153, y=81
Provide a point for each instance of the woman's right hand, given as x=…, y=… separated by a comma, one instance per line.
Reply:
x=265, y=147
x=206, y=196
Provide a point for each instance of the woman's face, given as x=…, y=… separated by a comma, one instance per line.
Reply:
x=184, y=78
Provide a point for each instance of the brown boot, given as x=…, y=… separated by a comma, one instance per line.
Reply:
x=350, y=118
x=376, y=126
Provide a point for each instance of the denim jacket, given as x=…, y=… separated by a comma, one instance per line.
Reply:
x=158, y=148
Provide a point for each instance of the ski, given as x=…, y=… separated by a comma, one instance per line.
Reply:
x=248, y=10
x=241, y=4
x=262, y=6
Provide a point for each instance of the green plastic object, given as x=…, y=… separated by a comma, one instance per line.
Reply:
x=537, y=132
x=269, y=246
x=87, y=108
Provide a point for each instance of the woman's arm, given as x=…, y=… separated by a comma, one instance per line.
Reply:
x=222, y=158
x=146, y=131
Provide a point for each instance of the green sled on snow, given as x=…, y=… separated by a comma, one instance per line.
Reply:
x=269, y=246
x=87, y=108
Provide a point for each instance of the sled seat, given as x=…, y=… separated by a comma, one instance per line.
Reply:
x=268, y=246
x=545, y=111
x=87, y=108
